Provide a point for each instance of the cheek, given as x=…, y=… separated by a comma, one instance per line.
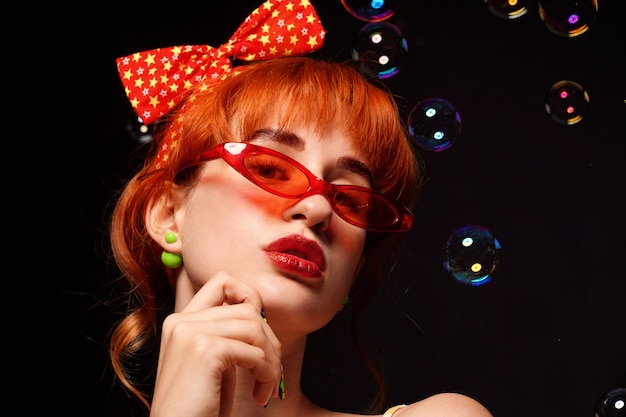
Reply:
x=226, y=203
x=220, y=224
x=226, y=217
x=347, y=253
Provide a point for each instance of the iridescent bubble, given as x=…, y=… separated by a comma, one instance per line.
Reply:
x=137, y=130
x=568, y=18
x=567, y=102
x=379, y=50
x=471, y=255
x=434, y=124
x=612, y=404
x=371, y=10
x=508, y=9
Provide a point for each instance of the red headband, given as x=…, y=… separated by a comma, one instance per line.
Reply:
x=158, y=80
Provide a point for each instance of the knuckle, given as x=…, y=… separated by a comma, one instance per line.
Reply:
x=250, y=310
x=254, y=330
x=169, y=323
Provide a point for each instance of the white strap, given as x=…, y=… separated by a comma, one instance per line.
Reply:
x=393, y=410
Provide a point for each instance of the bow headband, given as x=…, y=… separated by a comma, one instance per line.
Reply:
x=158, y=80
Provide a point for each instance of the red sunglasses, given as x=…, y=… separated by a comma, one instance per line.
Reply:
x=285, y=177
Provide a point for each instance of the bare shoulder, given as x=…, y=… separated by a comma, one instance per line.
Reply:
x=444, y=405
x=439, y=405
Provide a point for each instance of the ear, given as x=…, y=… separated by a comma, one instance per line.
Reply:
x=160, y=218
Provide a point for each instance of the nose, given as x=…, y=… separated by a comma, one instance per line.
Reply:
x=315, y=211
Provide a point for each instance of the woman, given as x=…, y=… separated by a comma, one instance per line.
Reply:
x=269, y=200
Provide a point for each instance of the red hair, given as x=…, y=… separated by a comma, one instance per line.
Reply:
x=300, y=91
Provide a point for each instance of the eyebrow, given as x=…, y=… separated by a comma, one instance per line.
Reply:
x=291, y=139
x=283, y=137
x=356, y=166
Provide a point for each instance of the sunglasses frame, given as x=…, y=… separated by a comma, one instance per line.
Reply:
x=233, y=154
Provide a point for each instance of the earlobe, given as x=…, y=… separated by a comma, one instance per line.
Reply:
x=160, y=220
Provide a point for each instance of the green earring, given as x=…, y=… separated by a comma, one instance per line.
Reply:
x=346, y=300
x=170, y=237
x=169, y=259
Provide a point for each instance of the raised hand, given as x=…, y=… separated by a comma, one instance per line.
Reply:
x=221, y=328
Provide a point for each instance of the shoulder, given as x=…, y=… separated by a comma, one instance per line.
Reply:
x=444, y=405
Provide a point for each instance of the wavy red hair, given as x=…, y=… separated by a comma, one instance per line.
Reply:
x=299, y=91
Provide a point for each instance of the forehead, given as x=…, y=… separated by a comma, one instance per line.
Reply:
x=300, y=138
x=297, y=132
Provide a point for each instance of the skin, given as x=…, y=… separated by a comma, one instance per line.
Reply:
x=218, y=356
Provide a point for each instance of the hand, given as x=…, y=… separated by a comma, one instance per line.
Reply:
x=219, y=329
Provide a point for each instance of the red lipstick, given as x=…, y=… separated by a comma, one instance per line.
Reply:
x=298, y=255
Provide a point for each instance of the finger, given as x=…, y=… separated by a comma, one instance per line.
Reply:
x=251, y=332
x=244, y=323
x=216, y=359
x=239, y=322
x=228, y=320
x=277, y=390
x=266, y=371
x=224, y=288
x=223, y=331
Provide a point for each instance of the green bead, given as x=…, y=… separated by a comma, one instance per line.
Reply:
x=171, y=260
x=170, y=237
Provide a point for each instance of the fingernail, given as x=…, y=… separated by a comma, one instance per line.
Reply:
x=281, y=384
x=263, y=315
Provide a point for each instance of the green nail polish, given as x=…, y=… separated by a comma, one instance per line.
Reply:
x=281, y=384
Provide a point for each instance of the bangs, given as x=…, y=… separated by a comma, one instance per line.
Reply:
x=324, y=97
x=295, y=92
x=312, y=93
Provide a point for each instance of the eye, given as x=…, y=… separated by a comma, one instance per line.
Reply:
x=268, y=169
x=355, y=201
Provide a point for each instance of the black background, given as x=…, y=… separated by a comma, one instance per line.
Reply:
x=545, y=338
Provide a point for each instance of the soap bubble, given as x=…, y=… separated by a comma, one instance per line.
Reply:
x=371, y=10
x=567, y=102
x=434, y=124
x=379, y=50
x=568, y=18
x=138, y=130
x=471, y=255
x=612, y=404
x=508, y=9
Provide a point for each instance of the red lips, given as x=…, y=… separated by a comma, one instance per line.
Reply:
x=298, y=255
